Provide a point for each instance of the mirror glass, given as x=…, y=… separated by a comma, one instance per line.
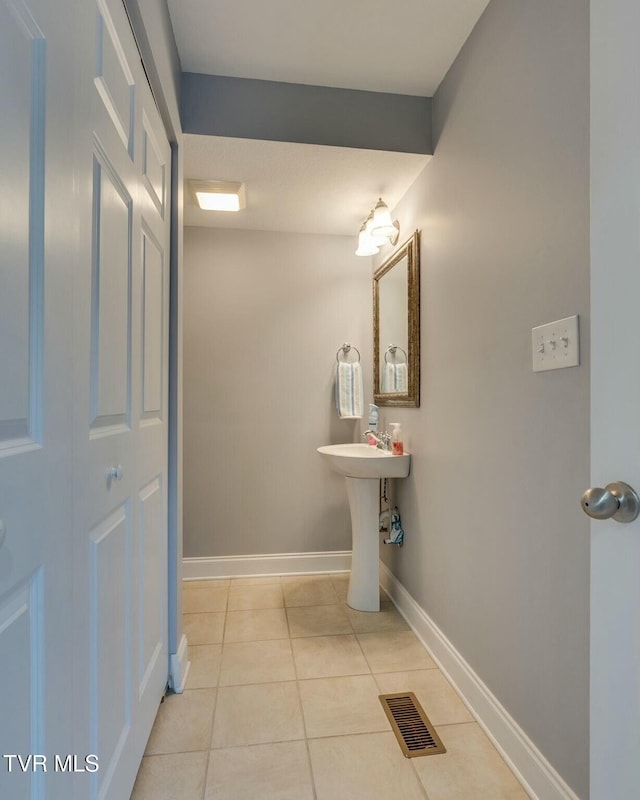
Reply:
x=396, y=327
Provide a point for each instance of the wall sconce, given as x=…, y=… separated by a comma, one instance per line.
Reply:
x=218, y=195
x=378, y=229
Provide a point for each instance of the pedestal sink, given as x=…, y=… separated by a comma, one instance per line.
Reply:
x=363, y=466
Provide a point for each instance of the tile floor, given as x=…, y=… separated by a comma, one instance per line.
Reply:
x=282, y=703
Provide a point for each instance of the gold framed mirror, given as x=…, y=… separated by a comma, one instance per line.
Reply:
x=396, y=327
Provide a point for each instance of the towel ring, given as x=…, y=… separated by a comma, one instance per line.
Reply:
x=346, y=347
x=392, y=349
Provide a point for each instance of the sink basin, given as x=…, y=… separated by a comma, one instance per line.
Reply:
x=364, y=461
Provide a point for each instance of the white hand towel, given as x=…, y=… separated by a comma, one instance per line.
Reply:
x=395, y=378
x=349, y=390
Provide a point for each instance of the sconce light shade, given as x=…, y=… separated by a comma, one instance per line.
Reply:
x=218, y=195
x=376, y=238
x=382, y=225
x=366, y=245
x=377, y=229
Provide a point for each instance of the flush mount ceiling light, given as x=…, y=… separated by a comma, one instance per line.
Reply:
x=378, y=229
x=218, y=195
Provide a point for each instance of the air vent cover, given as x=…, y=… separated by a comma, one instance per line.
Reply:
x=414, y=732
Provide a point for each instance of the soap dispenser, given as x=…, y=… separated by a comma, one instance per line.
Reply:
x=397, y=446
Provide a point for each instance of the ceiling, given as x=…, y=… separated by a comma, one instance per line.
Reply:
x=300, y=188
x=403, y=47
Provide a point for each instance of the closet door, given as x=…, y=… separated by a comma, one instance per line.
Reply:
x=121, y=395
x=37, y=261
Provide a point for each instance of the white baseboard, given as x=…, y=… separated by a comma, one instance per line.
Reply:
x=539, y=779
x=179, y=665
x=270, y=564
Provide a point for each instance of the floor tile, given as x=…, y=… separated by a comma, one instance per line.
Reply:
x=394, y=651
x=471, y=768
x=365, y=767
x=256, y=625
x=440, y=702
x=183, y=723
x=204, y=628
x=260, y=772
x=256, y=662
x=256, y=714
x=309, y=592
x=205, y=666
x=209, y=583
x=256, y=580
x=211, y=598
x=341, y=586
x=387, y=619
x=318, y=621
x=168, y=777
x=336, y=706
x=328, y=656
x=242, y=597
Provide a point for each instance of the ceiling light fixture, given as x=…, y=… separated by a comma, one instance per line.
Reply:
x=378, y=229
x=218, y=195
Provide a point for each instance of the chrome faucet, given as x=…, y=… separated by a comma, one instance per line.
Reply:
x=383, y=440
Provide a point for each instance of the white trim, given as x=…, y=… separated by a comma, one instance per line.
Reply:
x=539, y=779
x=179, y=665
x=270, y=564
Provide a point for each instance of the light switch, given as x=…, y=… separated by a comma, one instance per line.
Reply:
x=555, y=345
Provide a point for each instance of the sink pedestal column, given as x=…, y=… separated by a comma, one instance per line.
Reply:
x=364, y=499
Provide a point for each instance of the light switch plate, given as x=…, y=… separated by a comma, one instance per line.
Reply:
x=556, y=345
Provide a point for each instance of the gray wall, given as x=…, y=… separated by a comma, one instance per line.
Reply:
x=497, y=548
x=264, y=315
x=214, y=105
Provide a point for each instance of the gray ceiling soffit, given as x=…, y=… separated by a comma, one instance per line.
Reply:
x=244, y=108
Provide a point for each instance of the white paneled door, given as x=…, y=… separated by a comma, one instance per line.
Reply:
x=36, y=240
x=84, y=298
x=121, y=381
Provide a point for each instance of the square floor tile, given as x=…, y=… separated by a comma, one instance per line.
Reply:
x=260, y=772
x=204, y=628
x=256, y=662
x=387, y=619
x=471, y=768
x=206, y=583
x=256, y=580
x=242, y=597
x=341, y=586
x=328, y=656
x=205, y=666
x=183, y=723
x=210, y=598
x=256, y=625
x=336, y=706
x=168, y=777
x=307, y=591
x=256, y=714
x=440, y=702
x=318, y=621
x=365, y=767
x=394, y=651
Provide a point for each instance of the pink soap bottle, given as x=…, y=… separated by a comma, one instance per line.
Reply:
x=397, y=446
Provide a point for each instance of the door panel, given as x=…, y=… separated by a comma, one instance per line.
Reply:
x=152, y=612
x=111, y=298
x=114, y=80
x=153, y=370
x=21, y=627
x=110, y=628
x=22, y=89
